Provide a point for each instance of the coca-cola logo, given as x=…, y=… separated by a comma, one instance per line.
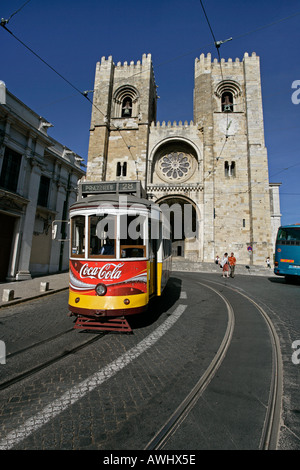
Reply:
x=108, y=271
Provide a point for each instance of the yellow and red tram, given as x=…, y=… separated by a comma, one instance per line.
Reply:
x=120, y=254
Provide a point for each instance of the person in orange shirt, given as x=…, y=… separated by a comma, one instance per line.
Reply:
x=232, y=263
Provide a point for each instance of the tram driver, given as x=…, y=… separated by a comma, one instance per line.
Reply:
x=108, y=248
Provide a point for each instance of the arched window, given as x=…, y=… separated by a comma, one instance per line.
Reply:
x=121, y=169
x=127, y=107
x=232, y=169
x=126, y=102
x=229, y=169
x=228, y=92
x=226, y=169
x=227, y=102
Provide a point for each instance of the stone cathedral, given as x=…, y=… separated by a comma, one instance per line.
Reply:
x=217, y=163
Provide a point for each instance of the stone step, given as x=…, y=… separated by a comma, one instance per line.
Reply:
x=181, y=264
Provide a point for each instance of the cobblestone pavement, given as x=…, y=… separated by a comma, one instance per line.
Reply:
x=120, y=407
x=128, y=404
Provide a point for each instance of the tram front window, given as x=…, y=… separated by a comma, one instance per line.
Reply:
x=102, y=236
x=78, y=236
x=132, y=236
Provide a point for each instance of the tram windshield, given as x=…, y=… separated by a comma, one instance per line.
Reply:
x=102, y=235
x=132, y=236
x=109, y=236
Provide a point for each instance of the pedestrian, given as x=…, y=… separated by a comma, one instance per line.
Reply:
x=225, y=265
x=268, y=262
x=232, y=263
x=217, y=260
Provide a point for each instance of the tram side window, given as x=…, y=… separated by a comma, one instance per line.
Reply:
x=132, y=236
x=102, y=239
x=78, y=236
x=167, y=248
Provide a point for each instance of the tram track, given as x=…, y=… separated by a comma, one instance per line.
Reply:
x=273, y=415
x=38, y=343
x=53, y=360
x=182, y=411
x=270, y=431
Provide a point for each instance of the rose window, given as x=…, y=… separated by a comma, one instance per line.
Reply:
x=175, y=166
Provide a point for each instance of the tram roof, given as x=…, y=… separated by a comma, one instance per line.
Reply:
x=94, y=201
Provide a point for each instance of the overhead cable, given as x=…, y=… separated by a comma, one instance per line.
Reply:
x=84, y=93
x=4, y=21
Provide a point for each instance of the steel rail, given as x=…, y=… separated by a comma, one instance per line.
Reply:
x=44, y=365
x=270, y=432
x=159, y=440
x=38, y=343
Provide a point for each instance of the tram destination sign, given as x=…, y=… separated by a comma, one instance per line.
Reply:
x=113, y=187
x=98, y=188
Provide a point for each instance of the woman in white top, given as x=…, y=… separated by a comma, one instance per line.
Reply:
x=225, y=265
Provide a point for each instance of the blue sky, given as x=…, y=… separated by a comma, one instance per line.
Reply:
x=72, y=35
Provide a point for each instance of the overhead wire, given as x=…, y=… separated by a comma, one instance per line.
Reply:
x=266, y=26
x=84, y=94
x=217, y=44
x=42, y=60
x=4, y=21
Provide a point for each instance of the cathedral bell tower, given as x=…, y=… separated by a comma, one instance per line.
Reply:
x=124, y=106
x=228, y=104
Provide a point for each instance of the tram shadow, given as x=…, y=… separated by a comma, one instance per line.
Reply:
x=158, y=305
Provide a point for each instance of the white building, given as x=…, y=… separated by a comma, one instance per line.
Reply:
x=38, y=183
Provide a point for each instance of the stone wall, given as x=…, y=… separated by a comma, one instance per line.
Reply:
x=217, y=163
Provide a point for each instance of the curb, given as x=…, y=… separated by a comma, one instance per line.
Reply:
x=25, y=299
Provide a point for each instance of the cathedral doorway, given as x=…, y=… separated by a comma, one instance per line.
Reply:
x=182, y=216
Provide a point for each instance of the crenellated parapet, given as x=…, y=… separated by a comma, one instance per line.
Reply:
x=175, y=124
x=205, y=64
x=146, y=60
x=206, y=60
x=127, y=68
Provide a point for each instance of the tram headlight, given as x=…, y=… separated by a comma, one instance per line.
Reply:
x=100, y=289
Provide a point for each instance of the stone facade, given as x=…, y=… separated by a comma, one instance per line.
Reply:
x=216, y=164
